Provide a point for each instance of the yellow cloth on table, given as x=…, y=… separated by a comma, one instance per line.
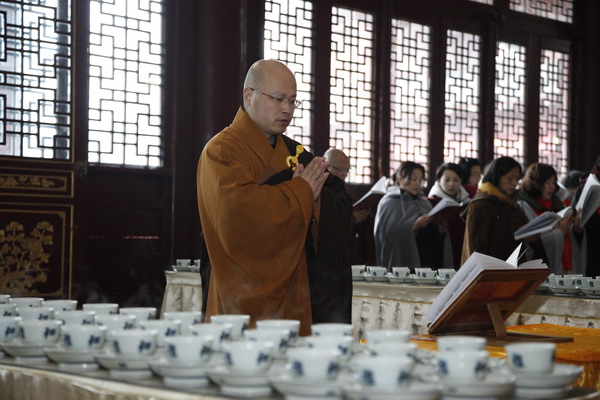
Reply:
x=584, y=347
x=583, y=351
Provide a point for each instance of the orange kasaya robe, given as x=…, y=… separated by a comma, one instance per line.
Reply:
x=255, y=234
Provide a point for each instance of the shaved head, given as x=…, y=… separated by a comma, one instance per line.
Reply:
x=338, y=161
x=265, y=81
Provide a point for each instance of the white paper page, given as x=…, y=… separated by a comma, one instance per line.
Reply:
x=591, y=181
x=445, y=202
x=513, y=259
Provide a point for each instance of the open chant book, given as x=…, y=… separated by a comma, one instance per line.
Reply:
x=589, y=201
x=469, y=272
x=542, y=223
x=372, y=197
x=445, y=209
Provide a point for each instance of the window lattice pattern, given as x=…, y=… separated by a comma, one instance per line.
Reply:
x=351, y=100
x=35, y=79
x=409, y=93
x=125, y=83
x=509, y=131
x=461, y=123
x=559, y=10
x=288, y=38
x=554, y=110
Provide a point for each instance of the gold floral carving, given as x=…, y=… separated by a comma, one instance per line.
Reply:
x=22, y=257
x=22, y=181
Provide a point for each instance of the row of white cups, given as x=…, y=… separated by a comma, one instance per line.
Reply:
x=250, y=362
x=428, y=275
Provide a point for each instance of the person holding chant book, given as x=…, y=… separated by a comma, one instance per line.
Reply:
x=538, y=194
x=470, y=173
x=591, y=229
x=493, y=215
x=448, y=186
x=404, y=234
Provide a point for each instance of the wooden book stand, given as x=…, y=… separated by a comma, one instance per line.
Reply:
x=487, y=302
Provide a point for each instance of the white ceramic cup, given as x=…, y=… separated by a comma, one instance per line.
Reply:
x=77, y=317
x=401, y=272
x=8, y=310
x=425, y=273
x=26, y=301
x=594, y=283
x=30, y=313
x=531, y=357
x=187, y=318
x=279, y=337
x=9, y=327
x=239, y=323
x=101, y=308
x=83, y=337
x=196, y=349
x=4, y=298
x=343, y=344
x=115, y=323
x=313, y=364
x=384, y=371
x=37, y=331
x=581, y=281
x=331, y=329
x=358, y=269
x=387, y=336
x=460, y=342
x=183, y=262
x=397, y=349
x=377, y=271
x=221, y=333
x=165, y=328
x=135, y=342
x=462, y=364
x=141, y=313
x=292, y=324
x=446, y=273
x=551, y=279
x=61, y=305
x=245, y=356
x=565, y=282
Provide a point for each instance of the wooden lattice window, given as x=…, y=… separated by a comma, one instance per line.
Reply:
x=409, y=93
x=461, y=127
x=288, y=38
x=125, y=83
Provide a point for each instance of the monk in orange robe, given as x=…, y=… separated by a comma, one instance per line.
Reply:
x=257, y=201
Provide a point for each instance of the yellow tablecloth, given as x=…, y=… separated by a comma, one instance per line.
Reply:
x=583, y=351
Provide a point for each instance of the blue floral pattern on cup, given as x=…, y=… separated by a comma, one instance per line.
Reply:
x=443, y=367
x=143, y=346
x=173, y=351
x=94, y=340
x=517, y=361
x=171, y=332
x=49, y=332
x=298, y=368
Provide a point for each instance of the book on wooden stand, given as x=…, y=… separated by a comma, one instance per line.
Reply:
x=372, y=197
x=483, y=293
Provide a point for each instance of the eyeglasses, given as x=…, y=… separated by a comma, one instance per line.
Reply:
x=280, y=99
x=341, y=170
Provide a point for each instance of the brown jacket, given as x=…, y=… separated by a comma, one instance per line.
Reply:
x=490, y=226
